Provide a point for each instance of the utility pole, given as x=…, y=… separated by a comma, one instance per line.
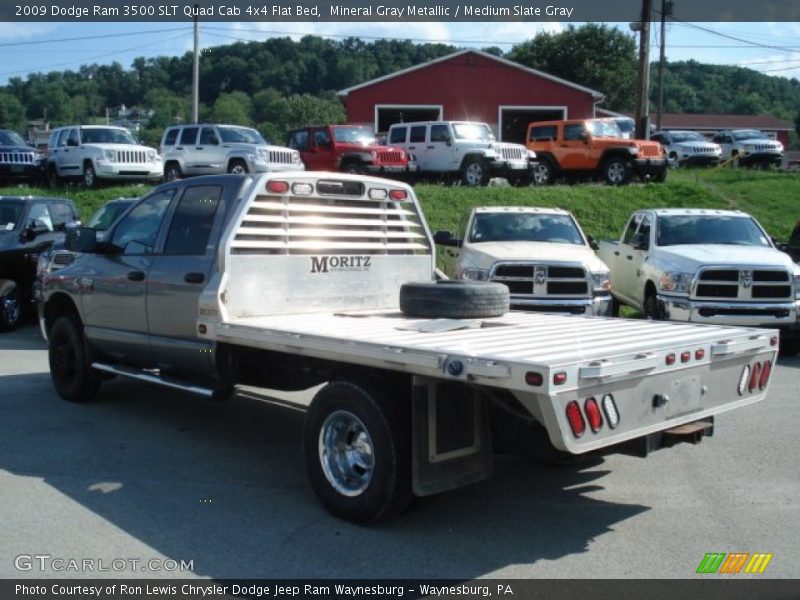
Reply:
x=196, y=69
x=643, y=82
x=666, y=11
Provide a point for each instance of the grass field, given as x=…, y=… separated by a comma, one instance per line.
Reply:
x=773, y=197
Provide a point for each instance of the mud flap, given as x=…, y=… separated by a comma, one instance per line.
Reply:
x=451, y=443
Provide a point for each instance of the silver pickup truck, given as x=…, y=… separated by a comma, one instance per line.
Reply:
x=291, y=280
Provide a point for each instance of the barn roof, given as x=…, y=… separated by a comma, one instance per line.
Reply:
x=503, y=61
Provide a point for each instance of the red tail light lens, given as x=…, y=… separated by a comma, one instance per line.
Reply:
x=670, y=358
x=277, y=187
x=593, y=414
x=534, y=378
x=685, y=356
x=699, y=354
x=560, y=378
x=766, y=370
x=575, y=419
x=755, y=376
x=398, y=194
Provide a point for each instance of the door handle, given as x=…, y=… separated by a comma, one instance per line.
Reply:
x=412, y=147
x=564, y=146
x=136, y=275
x=194, y=278
x=616, y=252
x=431, y=147
x=178, y=147
x=199, y=148
x=629, y=257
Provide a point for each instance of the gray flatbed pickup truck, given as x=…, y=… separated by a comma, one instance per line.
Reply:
x=291, y=280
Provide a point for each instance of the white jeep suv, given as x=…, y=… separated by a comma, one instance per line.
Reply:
x=210, y=149
x=749, y=147
x=464, y=148
x=99, y=152
x=687, y=148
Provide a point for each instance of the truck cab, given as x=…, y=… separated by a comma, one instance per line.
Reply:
x=540, y=254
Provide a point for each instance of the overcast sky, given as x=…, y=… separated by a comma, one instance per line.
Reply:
x=773, y=48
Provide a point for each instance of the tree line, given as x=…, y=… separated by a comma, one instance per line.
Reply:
x=279, y=83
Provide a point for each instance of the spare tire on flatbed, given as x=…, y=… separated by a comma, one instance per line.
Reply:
x=454, y=299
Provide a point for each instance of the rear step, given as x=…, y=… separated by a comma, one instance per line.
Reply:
x=154, y=377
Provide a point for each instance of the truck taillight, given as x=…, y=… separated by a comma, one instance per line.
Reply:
x=398, y=194
x=765, y=373
x=669, y=359
x=745, y=377
x=575, y=419
x=560, y=378
x=610, y=408
x=593, y=414
x=377, y=194
x=755, y=377
x=302, y=189
x=534, y=378
x=277, y=187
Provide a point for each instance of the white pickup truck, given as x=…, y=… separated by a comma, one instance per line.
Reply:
x=704, y=266
x=540, y=254
x=292, y=280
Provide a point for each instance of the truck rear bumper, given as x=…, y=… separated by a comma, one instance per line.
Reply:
x=599, y=306
x=746, y=314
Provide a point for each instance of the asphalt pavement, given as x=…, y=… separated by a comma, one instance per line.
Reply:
x=145, y=474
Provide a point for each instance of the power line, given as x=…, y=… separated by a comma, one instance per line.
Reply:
x=732, y=37
x=89, y=37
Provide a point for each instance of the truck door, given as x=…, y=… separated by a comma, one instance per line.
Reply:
x=114, y=284
x=441, y=155
x=418, y=146
x=185, y=149
x=69, y=159
x=622, y=260
x=177, y=277
x=572, y=147
x=639, y=249
x=452, y=253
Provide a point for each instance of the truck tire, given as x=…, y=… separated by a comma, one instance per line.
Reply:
x=616, y=171
x=474, y=172
x=53, y=180
x=237, y=167
x=544, y=173
x=454, y=299
x=10, y=309
x=89, y=175
x=354, y=167
x=172, y=172
x=660, y=176
x=70, y=366
x=652, y=310
x=357, y=446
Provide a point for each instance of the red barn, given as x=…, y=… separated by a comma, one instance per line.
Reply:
x=469, y=85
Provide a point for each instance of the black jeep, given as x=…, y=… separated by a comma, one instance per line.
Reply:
x=28, y=226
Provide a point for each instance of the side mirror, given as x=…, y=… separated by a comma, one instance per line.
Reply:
x=28, y=235
x=586, y=137
x=592, y=242
x=81, y=239
x=442, y=237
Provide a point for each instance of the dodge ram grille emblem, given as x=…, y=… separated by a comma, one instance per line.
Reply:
x=746, y=278
x=540, y=275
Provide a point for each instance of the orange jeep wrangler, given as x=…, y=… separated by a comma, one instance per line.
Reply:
x=588, y=147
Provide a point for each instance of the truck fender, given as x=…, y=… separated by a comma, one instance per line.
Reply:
x=472, y=155
x=548, y=157
x=6, y=286
x=614, y=152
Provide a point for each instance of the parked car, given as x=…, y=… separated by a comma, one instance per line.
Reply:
x=688, y=148
x=56, y=256
x=28, y=226
x=540, y=254
x=792, y=245
x=749, y=147
x=592, y=147
x=19, y=160
x=463, y=149
x=210, y=149
x=704, y=266
x=95, y=153
x=349, y=149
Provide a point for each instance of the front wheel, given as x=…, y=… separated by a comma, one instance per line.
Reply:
x=172, y=172
x=89, y=176
x=237, y=167
x=616, y=171
x=544, y=173
x=652, y=309
x=53, y=180
x=70, y=367
x=474, y=172
x=357, y=444
x=10, y=309
x=660, y=176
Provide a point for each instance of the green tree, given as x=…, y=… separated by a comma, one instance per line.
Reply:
x=12, y=113
x=233, y=108
x=595, y=56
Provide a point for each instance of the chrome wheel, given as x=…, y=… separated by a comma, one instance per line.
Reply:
x=171, y=173
x=473, y=174
x=346, y=453
x=238, y=168
x=542, y=174
x=616, y=172
x=89, y=177
x=11, y=309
